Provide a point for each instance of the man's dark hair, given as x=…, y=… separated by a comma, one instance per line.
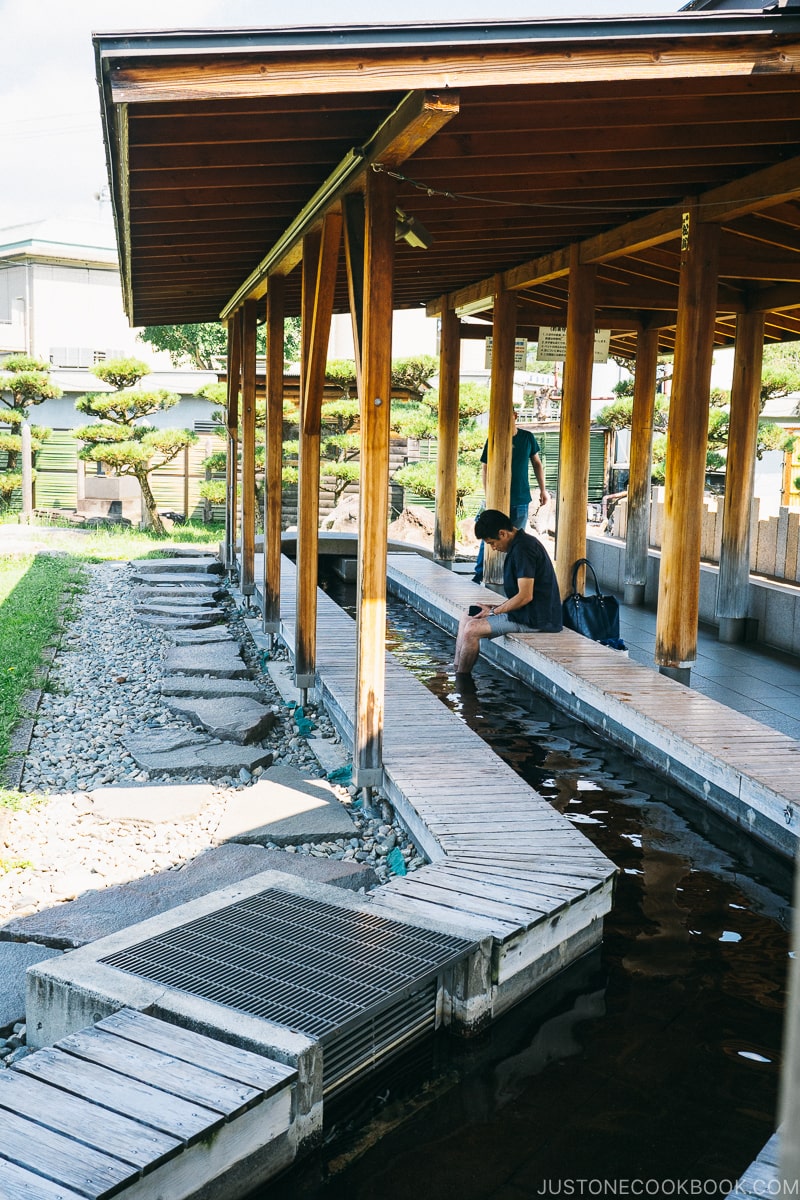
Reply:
x=490, y=522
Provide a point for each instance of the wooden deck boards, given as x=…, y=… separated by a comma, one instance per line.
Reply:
x=742, y=767
x=461, y=802
x=108, y=1107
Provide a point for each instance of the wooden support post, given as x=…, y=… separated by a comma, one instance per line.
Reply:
x=501, y=418
x=637, y=539
x=734, y=563
x=247, y=577
x=232, y=462
x=687, y=436
x=305, y=652
x=273, y=486
x=573, y=458
x=353, y=213
x=373, y=512
x=444, y=530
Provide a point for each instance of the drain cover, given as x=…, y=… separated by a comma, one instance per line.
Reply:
x=308, y=965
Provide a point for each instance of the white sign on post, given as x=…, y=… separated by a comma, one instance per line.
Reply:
x=520, y=354
x=552, y=344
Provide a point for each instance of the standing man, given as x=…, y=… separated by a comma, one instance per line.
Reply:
x=524, y=449
x=533, y=601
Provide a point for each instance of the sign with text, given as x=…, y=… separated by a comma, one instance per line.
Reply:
x=552, y=344
x=520, y=354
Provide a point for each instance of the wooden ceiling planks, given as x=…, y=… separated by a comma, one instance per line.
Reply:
x=591, y=131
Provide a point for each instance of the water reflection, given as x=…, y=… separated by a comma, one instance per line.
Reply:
x=657, y=1061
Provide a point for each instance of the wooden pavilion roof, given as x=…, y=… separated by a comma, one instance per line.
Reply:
x=514, y=141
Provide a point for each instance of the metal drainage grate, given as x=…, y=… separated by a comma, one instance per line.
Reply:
x=362, y=984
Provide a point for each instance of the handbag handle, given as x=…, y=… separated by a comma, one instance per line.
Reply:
x=584, y=562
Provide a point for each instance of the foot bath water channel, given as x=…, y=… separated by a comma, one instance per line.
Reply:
x=652, y=1065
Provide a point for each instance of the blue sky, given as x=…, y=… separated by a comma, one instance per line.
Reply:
x=51, y=148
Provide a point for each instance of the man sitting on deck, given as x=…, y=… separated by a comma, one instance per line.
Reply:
x=533, y=601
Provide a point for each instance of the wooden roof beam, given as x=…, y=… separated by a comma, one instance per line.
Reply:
x=418, y=116
x=773, y=185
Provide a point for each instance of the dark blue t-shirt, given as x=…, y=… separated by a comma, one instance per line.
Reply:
x=523, y=447
x=527, y=559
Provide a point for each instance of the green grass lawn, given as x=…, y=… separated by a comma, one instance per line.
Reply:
x=34, y=589
x=35, y=596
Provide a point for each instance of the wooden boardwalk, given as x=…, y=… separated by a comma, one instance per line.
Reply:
x=135, y=1105
x=740, y=767
x=504, y=864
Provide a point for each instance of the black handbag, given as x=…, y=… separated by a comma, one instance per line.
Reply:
x=597, y=616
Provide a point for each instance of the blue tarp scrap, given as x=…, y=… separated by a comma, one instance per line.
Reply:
x=396, y=862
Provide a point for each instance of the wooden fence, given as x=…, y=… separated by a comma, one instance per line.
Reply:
x=773, y=540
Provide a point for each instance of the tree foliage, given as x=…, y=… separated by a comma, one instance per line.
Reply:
x=780, y=372
x=26, y=384
x=121, y=436
x=205, y=346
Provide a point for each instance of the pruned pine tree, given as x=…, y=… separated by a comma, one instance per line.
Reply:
x=122, y=437
x=26, y=384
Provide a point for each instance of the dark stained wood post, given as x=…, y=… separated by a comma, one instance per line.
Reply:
x=573, y=457
x=734, y=561
x=687, y=436
x=373, y=511
x=444, y=530
x=247, y=576
x=501, y=418
x=637, y=538
x=232, y=419
x=273, y=487
x=320, y=287
x=307, y=488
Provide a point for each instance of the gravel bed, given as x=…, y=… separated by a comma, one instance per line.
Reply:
x=104, y=684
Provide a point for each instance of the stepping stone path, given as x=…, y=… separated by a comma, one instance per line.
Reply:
x=207, y=680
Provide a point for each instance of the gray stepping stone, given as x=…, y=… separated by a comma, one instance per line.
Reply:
x=152, y=804
x=172, y=600
x=178, y=622
x=183, y=608
x=163, y=741
x=199, y=578
x=181, y=566
x=15, y=958
x=203, y=637
x=285, y=807
x=218, y=660
x=208, y=689
x=211, y=758
x=98, y=914
x=232, y=718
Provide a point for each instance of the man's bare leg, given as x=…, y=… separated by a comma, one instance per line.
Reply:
x=468, y=642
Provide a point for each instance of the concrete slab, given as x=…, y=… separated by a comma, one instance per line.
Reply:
x=233, y=718
x=330, y=755
x=15, y=958
x=282, y=676
x=180, y=608
x=202, y=688
x=96, y=914
x=221, y=660
x=152, y=804
x=285, y=807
